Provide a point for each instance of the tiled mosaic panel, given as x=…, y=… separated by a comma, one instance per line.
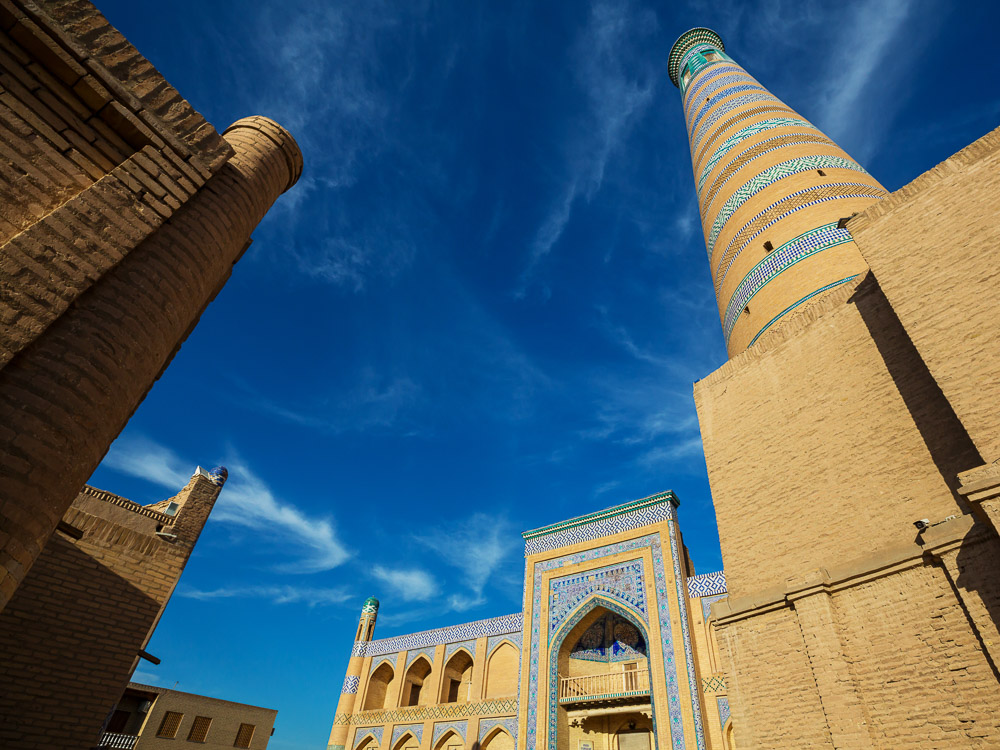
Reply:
x=645, y=516
x=727, y=107
x=778, y=261
x=788, y=309
x=831, y=192
x=692, y=40
x=417, y=730
x=411, y=656
x=624, y=582
x=722, y=69
x=698, y=153
x=696, y=60
x=703, y=110
x=495, y=640
x=754, y=152
x=714, y=684
x=741, y=135
x=408, y=714
x=389, y=659
x=768, y=177
x=707, y=602
x=459, y=727
x=707, y=584
x=351, y=683
x=487, y=725
x=723, y=710
x=675, y=552
x=651, y=541
x=610, y=639
x=467, y=631
x=708, y=85
x=451, y=648
x=361, y=732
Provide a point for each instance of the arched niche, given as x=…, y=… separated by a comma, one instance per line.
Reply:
x=415, y=692
x=457, y=678
x=367, y=743
x=407, y=742
x=450, y=740
x=379, y=687
x=498, y=739
x=729, y=736
x=501, y=671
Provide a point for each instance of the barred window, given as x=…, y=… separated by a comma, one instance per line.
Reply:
x=169, y=725
x=244, y=736
x=199, y=730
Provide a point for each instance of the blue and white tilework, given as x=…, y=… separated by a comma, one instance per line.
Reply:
x=726, y=107
x=361, y=732
x=351, y=683
x=723, y=710
x=451, y=648
x=708, y=601
x=720, y=273
x=675, y=552
x=707, y=584
x=650, y=541
x=467, y=631
x=507, y=722
x=459, y=727
x=741, y=135
x=767, y=178
x=613, y=523
x=417, y=730
x=411, y=655
x=696, y=50
x=791, y=307
x=389, y=659
x=708, y=85
x=723, y=68
x=776, y=262
x=515, y=639
x=702, y=110
x=624, y=582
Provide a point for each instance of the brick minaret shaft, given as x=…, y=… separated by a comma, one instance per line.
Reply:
x=772, y=190
x=67, y=394
x=352, y=681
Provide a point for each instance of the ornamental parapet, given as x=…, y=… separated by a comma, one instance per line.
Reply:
x=495, y=707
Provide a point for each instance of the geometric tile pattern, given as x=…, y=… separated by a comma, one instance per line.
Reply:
x=791, y=307
x=829, y=192
x=731, y=105
x=413, y=654
x=466, y=631
x=389, y=659
x=727, y=78
x=676, y=552
x=706, y=584
x=624, y=582
x=723, y=68
x=451, y=648
x=492, y=707
x=723, y=710
x=509, y=723
x=728, y=90
x=767, y=178
x=651, y=510
x=741, y=135
x=714, y=684
x=777, y=261
x=493, y=641
x=417, y=730
x=361, y=732
x=689, y=41
x=351, y=683
x=651, y=541
x=459, y=727
x=698, y=151
x=708, y=601
x=694, y=59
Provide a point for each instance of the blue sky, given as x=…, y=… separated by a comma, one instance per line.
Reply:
x=482, y=308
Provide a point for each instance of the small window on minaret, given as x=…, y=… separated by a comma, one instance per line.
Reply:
x=768, y=247
x=747, y=309
x=821, y=173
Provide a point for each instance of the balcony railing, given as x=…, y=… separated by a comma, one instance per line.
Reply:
x=604, y=686
x=117, y=741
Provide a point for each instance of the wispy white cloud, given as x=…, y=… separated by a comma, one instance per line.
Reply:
x=245, y=501
x=410, y=584
x=617, y=95
x=274, y=594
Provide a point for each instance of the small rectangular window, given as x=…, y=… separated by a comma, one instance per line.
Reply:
x=821, y=173
x=171, y=722
x=768, y=246
x=199, y=729
x=244, y=736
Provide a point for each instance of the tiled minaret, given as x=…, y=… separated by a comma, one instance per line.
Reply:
x=352, y=681
x=772, y=190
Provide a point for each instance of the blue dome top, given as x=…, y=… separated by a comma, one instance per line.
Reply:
x=219, y=475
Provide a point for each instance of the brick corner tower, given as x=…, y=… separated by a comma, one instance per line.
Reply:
x=773, y=191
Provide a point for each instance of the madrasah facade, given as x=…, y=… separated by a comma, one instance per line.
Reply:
x=854, y=461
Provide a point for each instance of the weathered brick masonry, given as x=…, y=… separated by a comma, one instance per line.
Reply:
x=122, y=213
x=73, y=629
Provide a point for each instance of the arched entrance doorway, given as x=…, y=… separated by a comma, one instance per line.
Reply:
x=600, y=687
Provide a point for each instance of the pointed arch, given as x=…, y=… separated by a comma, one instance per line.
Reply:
x=502, y=671
x=498, y=738
x=414, y=691
x=367, y=741
x=407, y=741
x=449, y=741
x=729, y=736
x=379, y=690
x=457, y=681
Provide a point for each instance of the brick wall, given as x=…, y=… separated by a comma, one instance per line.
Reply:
x=97, y=288
x=72, y=631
